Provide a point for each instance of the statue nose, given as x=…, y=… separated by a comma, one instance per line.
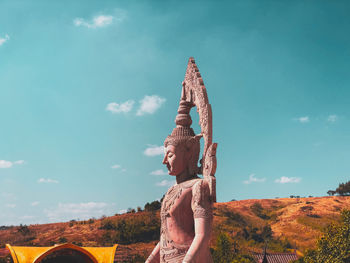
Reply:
x=165, y=160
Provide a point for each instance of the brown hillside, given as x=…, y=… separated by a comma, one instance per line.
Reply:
x=297, y=221
x=300, y=220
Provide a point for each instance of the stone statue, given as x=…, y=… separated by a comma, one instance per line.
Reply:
x=186, y=212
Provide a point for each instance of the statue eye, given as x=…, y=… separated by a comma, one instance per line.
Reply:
x=170, y=155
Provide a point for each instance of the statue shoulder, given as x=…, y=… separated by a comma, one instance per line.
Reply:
x=200, y=188
x=201, y=203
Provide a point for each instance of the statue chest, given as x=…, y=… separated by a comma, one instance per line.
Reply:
x=177, y=223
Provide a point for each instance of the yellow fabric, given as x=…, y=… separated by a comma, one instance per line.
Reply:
x=36, y=254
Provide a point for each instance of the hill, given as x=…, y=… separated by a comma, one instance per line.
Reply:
x=287, y=223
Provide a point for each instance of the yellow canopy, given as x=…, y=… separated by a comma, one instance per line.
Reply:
x=36, y=254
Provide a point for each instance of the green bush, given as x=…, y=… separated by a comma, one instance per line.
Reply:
x=258, y=210
x=226, y=251
x=140, y=228
x=334, y=245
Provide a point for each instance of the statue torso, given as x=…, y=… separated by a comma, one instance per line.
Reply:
x=182, y=203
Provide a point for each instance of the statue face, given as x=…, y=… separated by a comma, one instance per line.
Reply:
x=175, y=159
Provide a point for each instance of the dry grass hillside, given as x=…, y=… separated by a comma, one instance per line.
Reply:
x=286, y=222
x=299, y=220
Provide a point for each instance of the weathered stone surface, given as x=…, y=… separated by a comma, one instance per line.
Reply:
x=186, y=212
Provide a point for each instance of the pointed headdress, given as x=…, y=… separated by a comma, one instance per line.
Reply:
x=194, y=94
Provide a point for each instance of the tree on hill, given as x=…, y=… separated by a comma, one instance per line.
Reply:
x=331, y=192
x=23, y=229
x=334, y=245
x=343, y=188
x=227, y=251
x=154, y=206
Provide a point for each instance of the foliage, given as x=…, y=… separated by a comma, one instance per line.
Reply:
x=343, y=188
x=334, y=245
x=258, y=210
x=256, y=234
x=233, y=218
x=62, y=240
x=23, y=229
x=331, y=192
x=223, y=252
x=140, y=228
x=154, y=206
x=227, y=251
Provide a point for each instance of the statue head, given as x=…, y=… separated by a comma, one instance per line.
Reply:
x=182, y=147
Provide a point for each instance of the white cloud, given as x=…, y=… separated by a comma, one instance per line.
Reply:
x=332, y=118
x=154, y=150
x=304, y=119
x=159, y=172
x=35, y=203
x=4, y=39
x=9, y=164
x=47, y=181
x=150, y=104
x=96, y=22
x=166, y=183
x=5, y=164
x=253, y=179
x=119, y=108
x=81, y=211
x=286, y=180
x=116, y=166
x=122, y=211
x=10, y=205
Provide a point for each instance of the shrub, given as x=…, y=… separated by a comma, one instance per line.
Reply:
x=334, y=245
x=23, y=229
x=258, y=210
x=154, y=206
x=62, y=240
x=227, y=251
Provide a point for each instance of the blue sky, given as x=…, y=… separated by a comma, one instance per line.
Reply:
x=89, y=90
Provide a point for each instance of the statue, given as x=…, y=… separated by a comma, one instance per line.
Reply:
x=186, y=212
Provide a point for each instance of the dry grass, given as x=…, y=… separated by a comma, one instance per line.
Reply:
x=300, y=220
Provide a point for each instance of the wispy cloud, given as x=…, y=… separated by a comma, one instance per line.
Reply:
x=150, y=104
x=116, y=166
x=69, y=211
x=304, y=119
x=35, y=203
x=10, y=205
x=96, y=21
x=253, y=179
x=286, y=180
x=159, y=172
x=47, y=181
x=154, y=150
x=120, y=107
x=119, y=167
x=9, y=164
x=167, y=183
x=332, y=118
x=4, y=39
